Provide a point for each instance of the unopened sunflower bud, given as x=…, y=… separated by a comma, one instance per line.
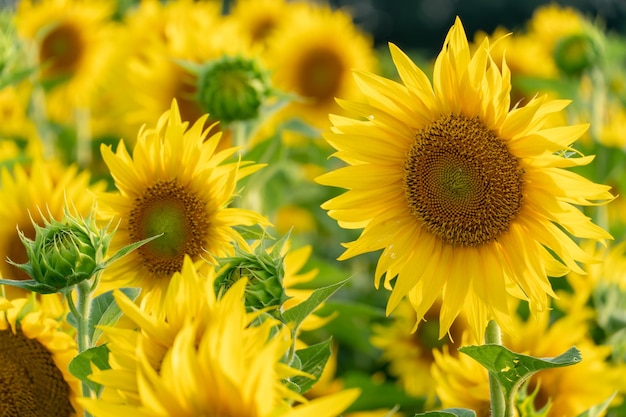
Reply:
x=264, y=273
x=63, y=253
x=576, y=53
x=232, y=88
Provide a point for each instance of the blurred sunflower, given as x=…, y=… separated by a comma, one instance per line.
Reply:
x=34, y=359
x=176, y=184
x=257, y=20
x=172, y=49
x=308, y=57
x=569, y=391
x=465, y=196
x=205, y=360
x=71, y=41
x=409, y=352
x=29, y=191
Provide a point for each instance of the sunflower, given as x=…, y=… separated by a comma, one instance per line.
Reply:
x=569, y=391
x=71, y=41
x=34, y=359
x=175, y=184
x=259, y=19
x=466, y=197
x=28, y=192
x=313, y=57
x=227, y=366
x=409, y=352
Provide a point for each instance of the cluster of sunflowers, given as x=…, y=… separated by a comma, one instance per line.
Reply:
x=178, y=179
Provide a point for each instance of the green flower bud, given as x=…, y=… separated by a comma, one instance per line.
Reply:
x=576, y=53
x=264, y=271
x=63, y=253
x=232, y=88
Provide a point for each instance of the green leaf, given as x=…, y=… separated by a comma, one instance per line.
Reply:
x=105, y=311
x=81, y=368
x=298, y=313
x=512, y=369
x=449, y=412
x=313, y=361
x=126, y=250
x=598, y=410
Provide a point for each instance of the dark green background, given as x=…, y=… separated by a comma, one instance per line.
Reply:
x=423, y=24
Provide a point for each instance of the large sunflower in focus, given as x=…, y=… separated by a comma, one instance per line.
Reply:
x=30, y=191
x=204, y=358
x=34, y=359
x=174, y=184
x=313, y=57
x=466, y=197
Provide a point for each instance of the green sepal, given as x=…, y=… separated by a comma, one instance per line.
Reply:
x=513, y=369
x=312, y=360
x=81, y=367
x=30, y=285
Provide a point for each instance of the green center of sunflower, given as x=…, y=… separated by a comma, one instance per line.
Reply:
x=31, y=385
x=61, y=51
x=461, y=181
x=320, y=75
x=169, y=208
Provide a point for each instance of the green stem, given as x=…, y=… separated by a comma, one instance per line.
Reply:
x=81, y=311
x=498, y=403
x=83, y=291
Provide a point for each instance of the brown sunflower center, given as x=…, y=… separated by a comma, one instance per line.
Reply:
x=461, y=181
x=31, y=385
x=320, y=75
x=61, y=51
x=169, y=208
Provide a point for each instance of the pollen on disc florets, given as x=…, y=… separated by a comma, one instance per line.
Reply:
x=462, y=182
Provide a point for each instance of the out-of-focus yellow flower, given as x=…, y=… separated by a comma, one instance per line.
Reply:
x=207, y=357
x=410, y=350
x=313, y=57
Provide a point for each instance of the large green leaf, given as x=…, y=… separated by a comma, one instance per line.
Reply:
x=81, y=367
x=312, y=361
x=106, y=312
x=512, y=369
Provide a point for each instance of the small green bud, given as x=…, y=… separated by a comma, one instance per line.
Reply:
x=264, y=271
x=64, y=253
x=232, y=88
x=576, y=53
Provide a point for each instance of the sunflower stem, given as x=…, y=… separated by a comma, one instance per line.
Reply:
x=493, y=336
x=83, y=295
